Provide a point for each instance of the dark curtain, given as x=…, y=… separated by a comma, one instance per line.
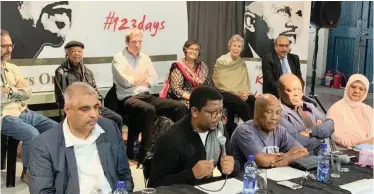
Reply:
x=212, y=23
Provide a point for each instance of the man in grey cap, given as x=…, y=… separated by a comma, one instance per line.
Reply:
x=73, y=70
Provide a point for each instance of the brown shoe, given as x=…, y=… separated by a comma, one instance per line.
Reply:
x=25, y=177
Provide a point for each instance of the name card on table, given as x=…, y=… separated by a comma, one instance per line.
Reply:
x=364, y=186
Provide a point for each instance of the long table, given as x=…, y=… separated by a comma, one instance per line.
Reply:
x=313, y=187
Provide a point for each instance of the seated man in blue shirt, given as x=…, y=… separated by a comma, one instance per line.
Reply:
x=302, y=119
x=264, y=138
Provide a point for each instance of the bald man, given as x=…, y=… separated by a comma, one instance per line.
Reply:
x=277, y=63
x=264, y=138
x=84, y=154
x=302, y=119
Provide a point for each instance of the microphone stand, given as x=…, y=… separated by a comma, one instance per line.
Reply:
x=314, y=65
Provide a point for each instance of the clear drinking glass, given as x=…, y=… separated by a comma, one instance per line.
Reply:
x=335, y=166
x=149, y=191
x=261, y=181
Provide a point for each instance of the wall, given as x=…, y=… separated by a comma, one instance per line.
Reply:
x=321, y=55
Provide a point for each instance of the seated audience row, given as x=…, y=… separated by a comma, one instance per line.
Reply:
x=282, y=130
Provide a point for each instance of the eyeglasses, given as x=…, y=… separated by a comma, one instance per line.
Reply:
x=283, y=45
x=4, y=46
x=215, y=114
x=191, y=49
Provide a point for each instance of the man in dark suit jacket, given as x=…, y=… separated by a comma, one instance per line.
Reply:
x=277, y=63
x=83, y=154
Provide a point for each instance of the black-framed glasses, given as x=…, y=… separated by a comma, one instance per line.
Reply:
x=4, y=46
x=216, y=113
x=283, y=45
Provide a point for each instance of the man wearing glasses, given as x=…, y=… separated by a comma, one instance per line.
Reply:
x=280, y=61
x=189, y=151
x=16, y=119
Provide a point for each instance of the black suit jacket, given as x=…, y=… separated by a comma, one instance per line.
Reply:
x=272, y=70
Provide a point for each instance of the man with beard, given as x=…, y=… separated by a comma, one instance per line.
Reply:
x=277, y=63
x=16, y=119
x=35, y=24
x=189, y=151
x=266, y=20
x=265, y=138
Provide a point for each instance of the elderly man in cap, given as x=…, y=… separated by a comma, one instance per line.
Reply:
x=73, y=70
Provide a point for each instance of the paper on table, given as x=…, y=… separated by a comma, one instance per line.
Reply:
x=359, y=187
x=284, y=173
x=233, y=186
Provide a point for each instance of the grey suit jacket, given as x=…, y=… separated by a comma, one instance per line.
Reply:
x=53, y=167
x=294, y=124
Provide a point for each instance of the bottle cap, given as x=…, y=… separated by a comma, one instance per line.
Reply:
x=323, y=145
x=121, y=185
x=251, y=158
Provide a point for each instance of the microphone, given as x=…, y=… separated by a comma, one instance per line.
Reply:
x=222, y=140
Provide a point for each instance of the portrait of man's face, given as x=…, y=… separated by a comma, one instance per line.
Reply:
x=35, y=24
x=52, y=16
x=265, y=21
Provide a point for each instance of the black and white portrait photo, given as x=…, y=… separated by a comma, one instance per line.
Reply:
x=35, y=24
x=264, y=21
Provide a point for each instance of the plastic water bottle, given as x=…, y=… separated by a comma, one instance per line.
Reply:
x=136, y=149
x=249, y=180
x=121, y=188
x=323, y=164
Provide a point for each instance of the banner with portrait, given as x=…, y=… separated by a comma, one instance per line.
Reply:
x=40, y=30
x=264, y=21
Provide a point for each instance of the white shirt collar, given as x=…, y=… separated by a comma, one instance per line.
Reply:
x=71, y=140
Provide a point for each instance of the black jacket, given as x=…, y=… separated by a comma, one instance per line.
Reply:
x=176, y=153
x=67, y=74
x=272, y=70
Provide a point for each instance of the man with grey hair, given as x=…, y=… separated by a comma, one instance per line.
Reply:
x=84, y=154
x=17, y=120
x=133, y=76
x=73, y=70
x=231, y=78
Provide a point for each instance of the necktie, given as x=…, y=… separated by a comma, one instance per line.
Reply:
x=284, y=65
x=306, y=119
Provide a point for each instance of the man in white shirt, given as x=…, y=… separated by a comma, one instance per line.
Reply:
x=83, y=154
x=133, y=76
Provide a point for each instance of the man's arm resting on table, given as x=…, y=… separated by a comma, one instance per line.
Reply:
x=41, y=178
x=267, y=160
x=289, y=157
x=296, y=153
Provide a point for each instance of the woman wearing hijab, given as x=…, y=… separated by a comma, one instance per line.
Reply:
x=353, y=119
x=231, y=78
x=186, y=74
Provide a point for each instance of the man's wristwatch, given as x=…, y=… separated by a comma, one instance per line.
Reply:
x=309, y=131
x=10, y=92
